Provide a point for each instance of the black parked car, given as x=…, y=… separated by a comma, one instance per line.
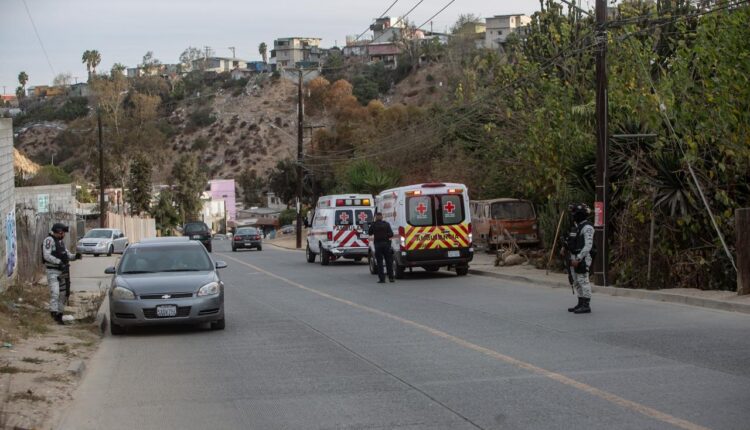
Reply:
x=198, y=230
x=247, y=237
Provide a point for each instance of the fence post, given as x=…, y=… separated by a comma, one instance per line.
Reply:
x=742, y=248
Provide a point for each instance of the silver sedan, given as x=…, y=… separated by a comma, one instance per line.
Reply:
x=100, y=241
x=166, y=282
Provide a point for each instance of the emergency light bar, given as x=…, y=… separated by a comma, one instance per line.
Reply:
x=455, y=191
x=352, y=202
x=414, y=193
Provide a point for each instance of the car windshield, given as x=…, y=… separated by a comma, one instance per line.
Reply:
x=173, y=258
x=512, y=210
x=246, y=231
x=195, y=228
x=98, y=234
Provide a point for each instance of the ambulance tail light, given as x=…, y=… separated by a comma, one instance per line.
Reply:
x=455, y=191
x=402, y=238
x=329, y=236
x=340, y=202
x=471, y=236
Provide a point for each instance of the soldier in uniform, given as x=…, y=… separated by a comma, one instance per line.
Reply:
x=57, y=262
x=381, y=233
x=580, y=250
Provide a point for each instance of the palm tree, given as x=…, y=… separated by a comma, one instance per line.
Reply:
x=96, y=58
x=22, y=79
x=117, y=70
x=86, y=58
x=263, y=50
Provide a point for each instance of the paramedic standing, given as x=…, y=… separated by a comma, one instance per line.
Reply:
x=380, y=233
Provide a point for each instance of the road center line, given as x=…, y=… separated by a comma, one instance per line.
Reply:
x=605, y=395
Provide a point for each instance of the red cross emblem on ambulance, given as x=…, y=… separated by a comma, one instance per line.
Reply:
x=421, y=208
x=449, y=207
x=362, y=217
x=344, y=217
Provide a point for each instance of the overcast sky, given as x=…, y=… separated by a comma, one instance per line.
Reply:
x=123, y=30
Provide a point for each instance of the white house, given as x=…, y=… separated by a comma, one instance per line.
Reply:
x=499, y=27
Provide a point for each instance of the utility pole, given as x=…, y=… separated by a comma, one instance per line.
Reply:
x=601, y=263
x=231, y=48
x=102, y=214
x=300, y=132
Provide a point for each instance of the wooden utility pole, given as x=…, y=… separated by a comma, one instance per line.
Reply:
x=742, y=248
x=601, y=263
x=300, y=132
x=102, y=213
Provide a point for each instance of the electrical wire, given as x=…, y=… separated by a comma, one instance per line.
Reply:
x=38, y=38
x=381, y=15
x=438, y=13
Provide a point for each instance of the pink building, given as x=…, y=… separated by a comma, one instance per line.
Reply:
x=225, y=189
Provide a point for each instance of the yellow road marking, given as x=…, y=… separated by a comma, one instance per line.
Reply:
x=605, y=395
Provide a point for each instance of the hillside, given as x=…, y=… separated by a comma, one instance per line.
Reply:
x=253, y=129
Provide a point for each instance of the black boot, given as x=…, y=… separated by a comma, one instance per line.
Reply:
x=585, y=308
x=573, y=309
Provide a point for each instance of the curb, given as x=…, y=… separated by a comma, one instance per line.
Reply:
x=631, y=293
x=76, y=368
x=285, y=247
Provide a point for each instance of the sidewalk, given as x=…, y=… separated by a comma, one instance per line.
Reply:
x=484, y=265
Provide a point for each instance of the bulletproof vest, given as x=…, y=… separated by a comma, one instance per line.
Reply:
x=58, y=251
x=576, y=241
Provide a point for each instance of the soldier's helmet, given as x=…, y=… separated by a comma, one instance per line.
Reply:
x=59, y=228
x=579, y=211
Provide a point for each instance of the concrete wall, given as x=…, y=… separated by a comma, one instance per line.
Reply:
x=60, y=198
x=8, y=254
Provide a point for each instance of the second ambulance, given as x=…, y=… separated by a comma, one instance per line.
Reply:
x=339, y=228
x=432, y=227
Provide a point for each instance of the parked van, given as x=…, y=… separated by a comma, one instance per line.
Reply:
x=431, y=225
x=339, y=228
x=500, y=221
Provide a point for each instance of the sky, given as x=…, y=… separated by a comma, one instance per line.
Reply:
x=124, y=30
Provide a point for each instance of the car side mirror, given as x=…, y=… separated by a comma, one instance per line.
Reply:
x=220, y=264
x=110, y=270
x=121, y=235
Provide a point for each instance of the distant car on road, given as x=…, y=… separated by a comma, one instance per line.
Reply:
x=198, y=230
x=287, y=229
x=166, y=282
x=247, y=237
x=100, y=241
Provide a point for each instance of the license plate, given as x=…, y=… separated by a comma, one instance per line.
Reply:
x=166, y=311
x=196, y=237
x=248, y=243
x=454, y=254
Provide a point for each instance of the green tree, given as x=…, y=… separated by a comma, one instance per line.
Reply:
x=116, y=70
x=139, y=185
x=23, y=78
x=263, y=51
x=50, y=175
x=252, y=187
x=84, y=195
x=165, y=212
x=365, y=177
x=150, y=63
x=189, y=183
x=92, y=58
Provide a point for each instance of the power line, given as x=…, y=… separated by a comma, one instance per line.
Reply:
x=400, y=19
x=381, y=15
x=438, y=13
x=39, y=38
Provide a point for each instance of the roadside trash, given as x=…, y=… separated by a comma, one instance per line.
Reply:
x=7, y=345
x=68, y=319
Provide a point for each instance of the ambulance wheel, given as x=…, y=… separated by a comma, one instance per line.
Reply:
x=398, y=270
x=462, y=270
x=358, y=259
x=325, y=257
x=371, y=262
x=309, y=254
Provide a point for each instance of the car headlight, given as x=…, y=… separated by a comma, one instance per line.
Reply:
x=210, y=289
x=122, y=293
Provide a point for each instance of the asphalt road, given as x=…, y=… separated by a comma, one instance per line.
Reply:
x=312, y=347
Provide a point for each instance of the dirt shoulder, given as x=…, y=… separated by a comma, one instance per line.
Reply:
x=40, y=361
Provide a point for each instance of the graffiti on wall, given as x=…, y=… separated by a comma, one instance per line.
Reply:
x=11, y=253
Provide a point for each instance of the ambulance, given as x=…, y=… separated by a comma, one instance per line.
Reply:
x=431, y=224
x=339, y=228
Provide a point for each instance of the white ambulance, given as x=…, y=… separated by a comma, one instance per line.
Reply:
x=431, y=224
x=339, y=228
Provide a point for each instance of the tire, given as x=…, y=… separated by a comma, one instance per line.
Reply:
x=218, y=324
x=398, y=270
x=260, y=248
x=309, y=255
x=373, y=264
x=234, y=249
x=462, y=270
x=110, y=250
x=325, y=257
x=96, y=255
x=115, y=329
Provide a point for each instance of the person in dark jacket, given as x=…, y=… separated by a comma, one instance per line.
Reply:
x=380, y=234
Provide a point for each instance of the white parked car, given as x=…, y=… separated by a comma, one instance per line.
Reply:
x=100, y=241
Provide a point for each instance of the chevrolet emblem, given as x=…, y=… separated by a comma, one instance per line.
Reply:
x=166, y=296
